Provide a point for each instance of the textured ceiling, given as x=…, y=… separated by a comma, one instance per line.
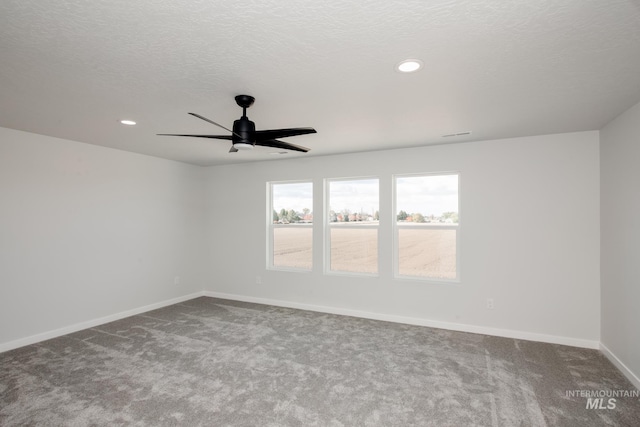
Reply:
x=73, y=69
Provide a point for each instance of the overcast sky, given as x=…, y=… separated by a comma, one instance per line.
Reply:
x=428, y=195
x=355, y=195
x=295, y=196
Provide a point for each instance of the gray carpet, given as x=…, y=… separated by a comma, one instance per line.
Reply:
x=215, y=362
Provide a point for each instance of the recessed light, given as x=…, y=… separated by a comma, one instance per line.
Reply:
x=409, y=65
x=128, y=122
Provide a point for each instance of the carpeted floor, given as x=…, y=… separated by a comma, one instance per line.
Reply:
x=213, y=362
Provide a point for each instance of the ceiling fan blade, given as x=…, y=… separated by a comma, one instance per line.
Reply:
x=233, y=149
x=228, y=137
x=214, y=123
x=280, y=144
x=263, y=135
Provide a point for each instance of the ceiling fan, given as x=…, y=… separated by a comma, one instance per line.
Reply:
x=244, y=134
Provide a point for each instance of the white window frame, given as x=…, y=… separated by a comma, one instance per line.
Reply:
x=397, y=227
x=328, y=226
x=271, y=226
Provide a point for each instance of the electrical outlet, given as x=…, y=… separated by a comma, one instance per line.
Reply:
x=176, y=280
x=258, y=280
x=490, y=305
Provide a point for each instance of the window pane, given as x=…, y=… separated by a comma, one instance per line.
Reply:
x=292, y=203
x=429, y=199
x=353, y=203
x=354, y=200
x=354, y=250
x=291, y=232
x=427, y=252
x=424, y=203
x=292, y=247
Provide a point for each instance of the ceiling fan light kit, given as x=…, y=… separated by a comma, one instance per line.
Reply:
x=244, y=134
x=242, y=146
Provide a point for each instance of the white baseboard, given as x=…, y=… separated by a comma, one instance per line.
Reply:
x=506, y=333
x=621, y=366
x=92, y=323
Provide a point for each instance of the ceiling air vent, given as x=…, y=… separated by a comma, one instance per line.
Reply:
x=457, y=134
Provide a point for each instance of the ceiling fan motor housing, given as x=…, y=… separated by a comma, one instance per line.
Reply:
x=243, y=131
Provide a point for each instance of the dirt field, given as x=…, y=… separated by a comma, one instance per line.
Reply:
x=292, y=247
x=354, y=250
x=427, y=253
x=423, y=252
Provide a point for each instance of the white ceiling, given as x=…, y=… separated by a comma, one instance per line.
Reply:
x=73, y=69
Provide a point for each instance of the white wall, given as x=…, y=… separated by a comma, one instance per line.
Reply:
x=87, y=232
x=620, y=212
x=530, y=238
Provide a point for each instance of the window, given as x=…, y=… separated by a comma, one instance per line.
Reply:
x=290, y=219
x=352, y=225
x=427, y=226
